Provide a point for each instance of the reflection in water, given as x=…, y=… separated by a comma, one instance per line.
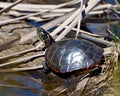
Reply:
x=28, y=84
x=18, y=85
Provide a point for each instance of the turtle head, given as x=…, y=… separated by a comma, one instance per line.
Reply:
x=45, y=37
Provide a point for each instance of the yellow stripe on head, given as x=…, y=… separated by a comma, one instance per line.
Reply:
x=43, y=36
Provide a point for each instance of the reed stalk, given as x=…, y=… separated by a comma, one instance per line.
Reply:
x=9, y=7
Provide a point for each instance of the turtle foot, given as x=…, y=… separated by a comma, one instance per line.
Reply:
x=46, y=69
x=96, y=71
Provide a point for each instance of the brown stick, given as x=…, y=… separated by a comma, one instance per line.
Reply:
x=9, y=7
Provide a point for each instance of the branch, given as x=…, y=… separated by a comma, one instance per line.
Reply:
x=21, y=69
x=21, y=60
x=9, y=7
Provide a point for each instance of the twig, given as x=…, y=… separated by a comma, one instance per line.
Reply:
x=67, y=30
x=21, y=69
x=21, y=60
x=43, y=16
x=29, y=6
x=17, y=53
x=9, y=7
x=80, y=18
x=87, y=33
x=38, y=13
x=116, y=37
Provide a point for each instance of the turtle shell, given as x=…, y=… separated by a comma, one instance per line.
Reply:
x=73, y=54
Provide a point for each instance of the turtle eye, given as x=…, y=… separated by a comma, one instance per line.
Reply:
x=40, y=32
x=43, y=36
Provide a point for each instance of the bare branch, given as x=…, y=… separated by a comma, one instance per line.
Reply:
x=9, y=7
x=21, y=60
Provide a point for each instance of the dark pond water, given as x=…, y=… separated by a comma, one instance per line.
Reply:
x=27, y=84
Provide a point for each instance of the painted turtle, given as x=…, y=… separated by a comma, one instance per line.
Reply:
x=69, y=55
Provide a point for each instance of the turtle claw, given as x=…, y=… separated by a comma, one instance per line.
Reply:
x=45, y=69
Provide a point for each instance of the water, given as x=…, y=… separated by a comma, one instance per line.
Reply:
x=32, y=83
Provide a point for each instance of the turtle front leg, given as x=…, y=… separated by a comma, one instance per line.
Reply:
x=96, y=71
x=46, y=69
